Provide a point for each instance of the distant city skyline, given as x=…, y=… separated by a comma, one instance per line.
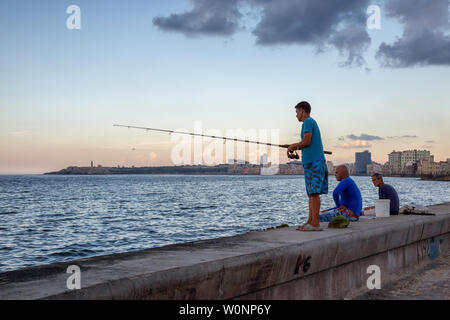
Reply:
x=407, y=163
x=229, y=64
x=397, y=157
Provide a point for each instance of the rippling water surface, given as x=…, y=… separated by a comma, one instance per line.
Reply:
x=47, y=219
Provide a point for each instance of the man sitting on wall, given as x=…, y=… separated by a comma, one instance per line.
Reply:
x=347, y=198
x=385, y=191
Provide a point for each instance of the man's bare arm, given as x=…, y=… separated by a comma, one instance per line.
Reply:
x=302, y=144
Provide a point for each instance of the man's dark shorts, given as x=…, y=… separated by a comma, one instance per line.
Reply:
x=316, y=178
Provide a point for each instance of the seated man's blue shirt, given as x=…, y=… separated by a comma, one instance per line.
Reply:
x=347, y=194
x=313, y=152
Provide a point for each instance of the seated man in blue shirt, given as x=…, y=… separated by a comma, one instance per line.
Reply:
x=347, y=198
x=386, y=191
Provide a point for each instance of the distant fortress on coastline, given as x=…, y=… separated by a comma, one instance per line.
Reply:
x=237, y=168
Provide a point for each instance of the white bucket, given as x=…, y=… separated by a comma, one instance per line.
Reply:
x=382, y=208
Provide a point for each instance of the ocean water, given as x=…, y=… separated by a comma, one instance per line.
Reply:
x=47, y=219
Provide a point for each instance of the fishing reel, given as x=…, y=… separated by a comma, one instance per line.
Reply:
x=293, y=155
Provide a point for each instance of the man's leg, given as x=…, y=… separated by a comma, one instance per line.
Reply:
x=309, y=215
x=330, y=215
x=310, y=211
x=315, y=209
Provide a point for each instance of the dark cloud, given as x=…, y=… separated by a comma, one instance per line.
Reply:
x=424, y=41
x=429, y=48
x=208, y=17
x=364, y=137
x=333, y=23
x=352, y=43
x=337, y=23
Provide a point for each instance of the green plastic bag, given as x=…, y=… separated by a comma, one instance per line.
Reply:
x=338, y=222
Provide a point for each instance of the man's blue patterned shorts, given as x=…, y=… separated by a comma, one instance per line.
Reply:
x=316, y=178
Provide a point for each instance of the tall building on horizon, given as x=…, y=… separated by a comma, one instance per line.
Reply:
x=399, y=160
x=362, y=159
x=395, y=162
x=415, y=156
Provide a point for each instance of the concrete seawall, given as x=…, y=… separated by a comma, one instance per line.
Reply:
x=273, y=264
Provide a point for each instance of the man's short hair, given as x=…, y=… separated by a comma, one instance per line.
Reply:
x=378, y=176
x=304, y=105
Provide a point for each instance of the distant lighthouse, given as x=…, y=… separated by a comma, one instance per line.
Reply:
x=92, y=164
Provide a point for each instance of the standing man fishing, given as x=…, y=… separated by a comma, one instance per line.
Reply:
x=316, y=172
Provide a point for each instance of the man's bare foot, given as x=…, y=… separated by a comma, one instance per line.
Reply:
x=300, y=228
x=309, y=227
x=315, y=224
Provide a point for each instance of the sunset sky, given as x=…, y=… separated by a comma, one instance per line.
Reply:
x=238, y=64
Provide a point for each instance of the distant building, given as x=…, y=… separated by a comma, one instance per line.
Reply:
x=411, y=162
x=237, y=161
x=446, y=165
x=414, y=156
x=350, y=168
x=395, y=162
x=330, y=167
x=410, y=168
x=374, y=168
x=292, y=167
x=92, y=164
x=264, y=159
x=424, y=167
x=435, y=169
x=443, y=168
x=386, y=169
x=362, y=159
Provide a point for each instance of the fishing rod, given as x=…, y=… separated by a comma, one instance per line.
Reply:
x=291, y=155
